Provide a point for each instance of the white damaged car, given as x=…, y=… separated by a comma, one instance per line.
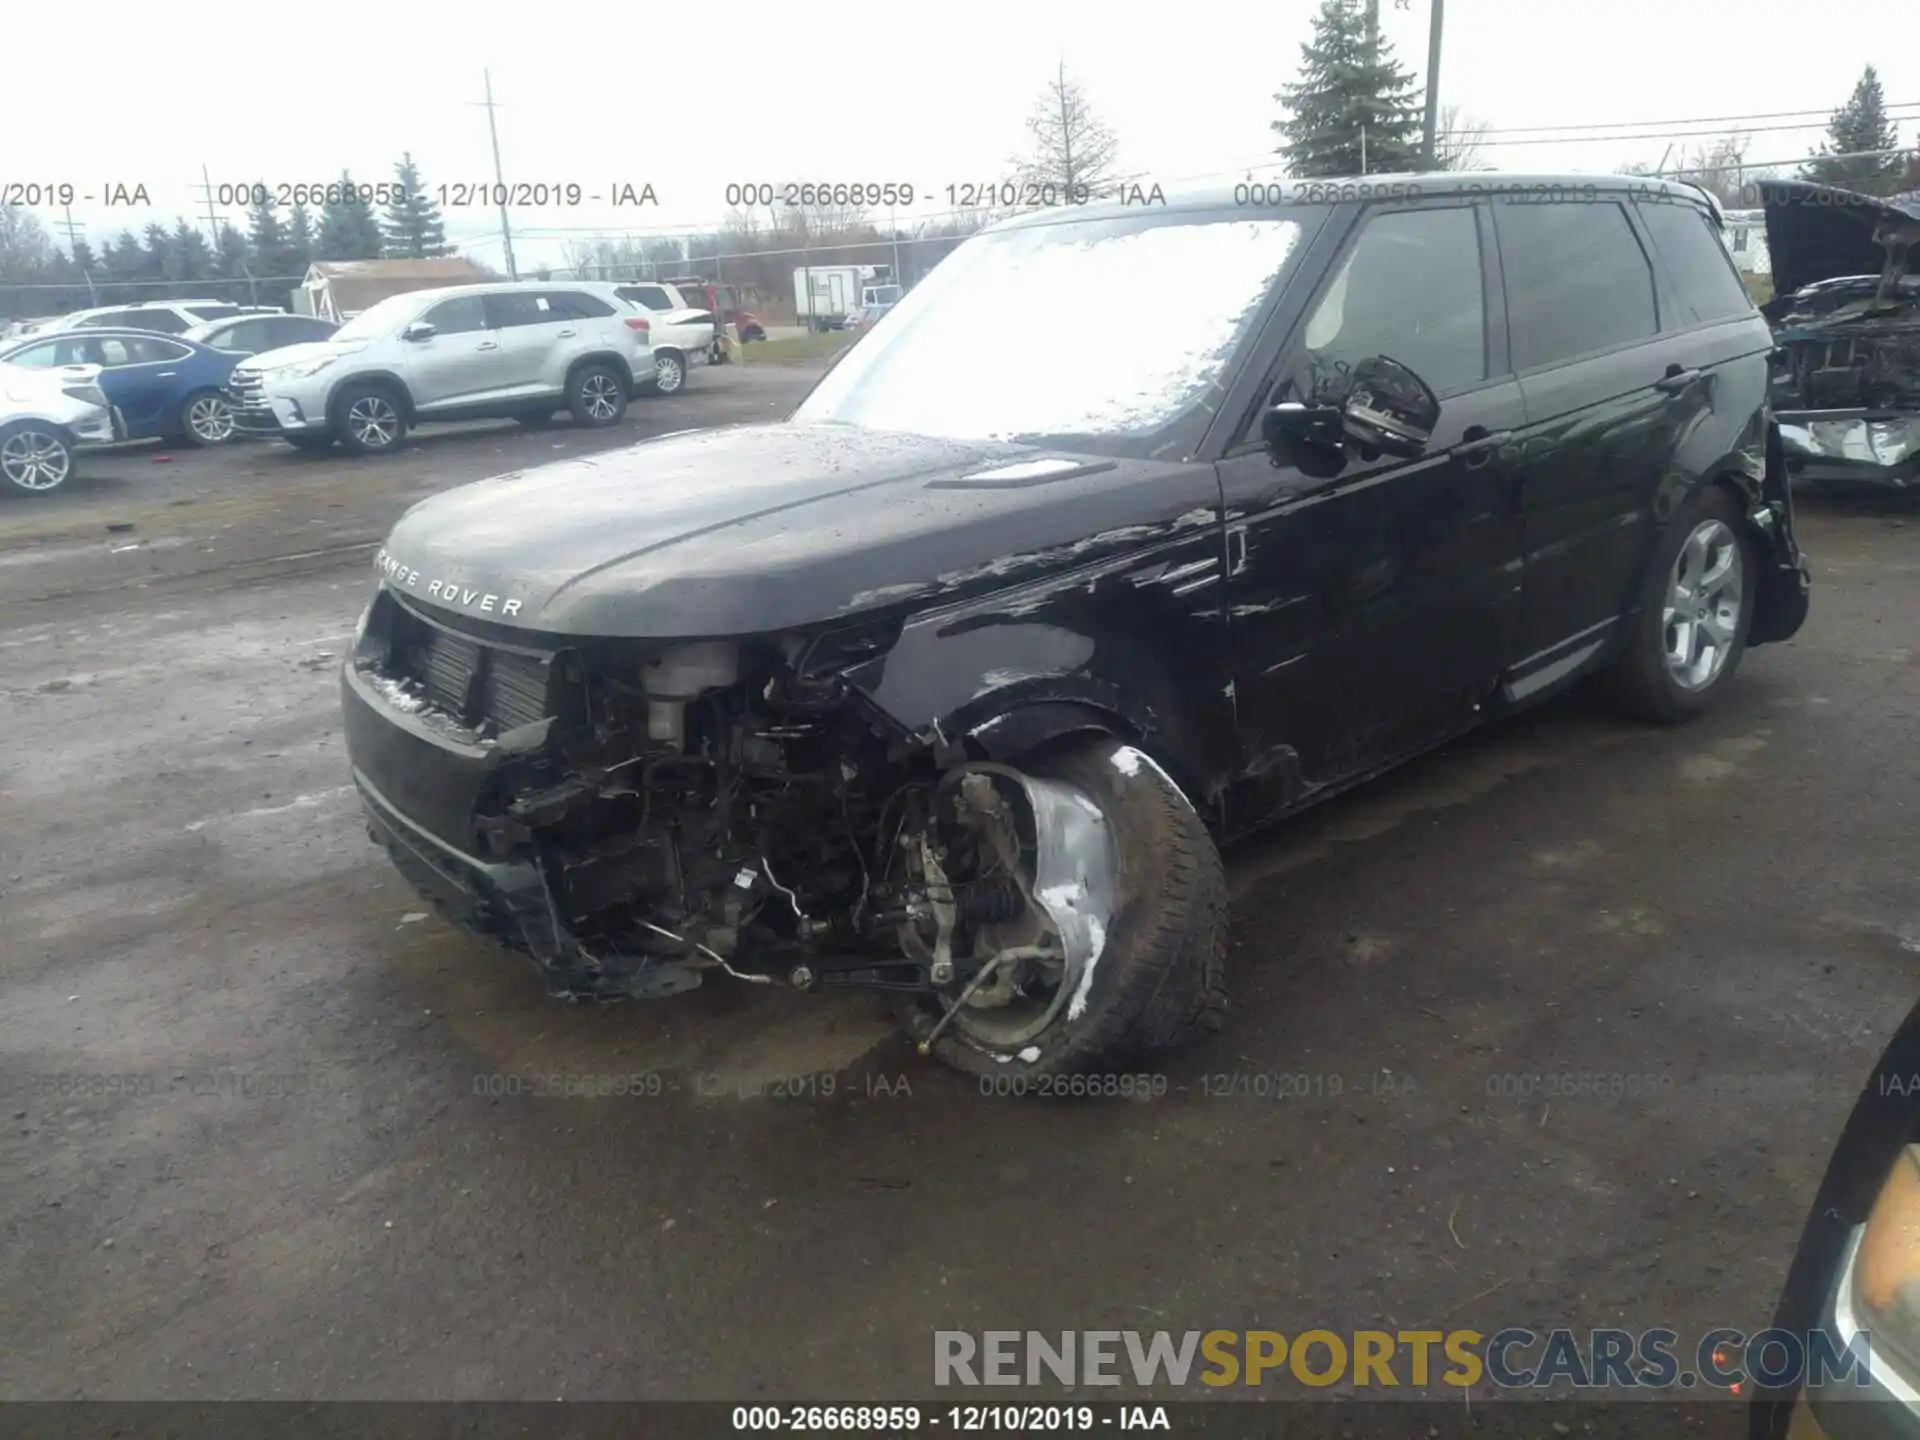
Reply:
x=45, y=416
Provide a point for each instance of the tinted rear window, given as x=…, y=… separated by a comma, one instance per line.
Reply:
x=1577, y=281
x=1703, y=276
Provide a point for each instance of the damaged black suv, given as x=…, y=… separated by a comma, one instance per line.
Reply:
x=950, y=684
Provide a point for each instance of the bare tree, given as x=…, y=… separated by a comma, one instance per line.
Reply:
x=24, y=246
x=1071, y=146
x=1461, y=141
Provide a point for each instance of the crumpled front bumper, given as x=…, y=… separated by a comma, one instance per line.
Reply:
x=1873, y=447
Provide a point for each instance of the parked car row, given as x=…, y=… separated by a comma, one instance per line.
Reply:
x=515, y=349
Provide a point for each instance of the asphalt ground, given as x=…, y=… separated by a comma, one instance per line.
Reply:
x=269, y=1131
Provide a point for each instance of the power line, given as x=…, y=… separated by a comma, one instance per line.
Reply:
x=1826, y=115
x=1629, y=139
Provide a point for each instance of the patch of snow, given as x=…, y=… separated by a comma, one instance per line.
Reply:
x=1077, y=1006
x=1127, y=760
x=1030, y=1054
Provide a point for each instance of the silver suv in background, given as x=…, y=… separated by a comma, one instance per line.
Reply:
x=516, y=349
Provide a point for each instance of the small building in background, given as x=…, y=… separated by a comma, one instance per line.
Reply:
x=338, y=290
x=1746, y=235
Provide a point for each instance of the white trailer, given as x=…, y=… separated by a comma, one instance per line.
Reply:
x=824, y=295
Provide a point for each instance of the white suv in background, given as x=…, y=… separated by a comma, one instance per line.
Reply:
x=163, y=317
x=522, y=349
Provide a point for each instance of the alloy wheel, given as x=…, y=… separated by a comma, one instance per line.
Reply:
x=1701, y=616
x=210, y=419
x=667, y=374
x=600, y=396
x=373, y=422
x=35, y=460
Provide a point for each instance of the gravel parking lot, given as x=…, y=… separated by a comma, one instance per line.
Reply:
x=271, y=1131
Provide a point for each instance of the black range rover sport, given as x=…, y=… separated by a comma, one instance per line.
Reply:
x=950, y=684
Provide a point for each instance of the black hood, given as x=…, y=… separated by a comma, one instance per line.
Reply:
x=1818, y=232
x=763, y=528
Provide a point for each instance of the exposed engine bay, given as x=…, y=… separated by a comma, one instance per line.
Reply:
x=1846, y=320
x=740, y=807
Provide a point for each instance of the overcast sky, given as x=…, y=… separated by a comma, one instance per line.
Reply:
x=823, y=95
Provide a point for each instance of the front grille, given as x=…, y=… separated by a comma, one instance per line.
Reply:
x=245, y=387
x=486, y=689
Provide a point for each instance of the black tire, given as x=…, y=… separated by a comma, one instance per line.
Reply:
x=1159, y=981
x=1642, y=680
x=312, y=444
x=669, y=373
x=35, y=458
x=535, y=419
x=369, y=419
x=205, y=419
x=596, y=395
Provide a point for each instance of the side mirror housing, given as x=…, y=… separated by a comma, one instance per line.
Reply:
x=418, y=330
x=1389, y=408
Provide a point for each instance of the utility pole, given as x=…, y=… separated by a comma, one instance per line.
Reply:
x=493, y=133
x=213, y=222
x=1373, y=24
x=73, y=248
x=893, y=225
x=1433, y=81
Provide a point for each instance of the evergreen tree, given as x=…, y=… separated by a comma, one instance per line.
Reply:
x=188, y=256
x=232, y=263
x=300, y=239
x=413, y=226
x=1349, y=86
x=268, y=238
x=348, y=229
x=124, y=261
x=1860, y=124
x=159, y=252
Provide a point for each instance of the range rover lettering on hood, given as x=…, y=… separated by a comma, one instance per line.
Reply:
x=405, y=577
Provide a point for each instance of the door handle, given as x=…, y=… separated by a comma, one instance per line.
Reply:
x=488, y=345
x=1677, y=379
x=1477, y=444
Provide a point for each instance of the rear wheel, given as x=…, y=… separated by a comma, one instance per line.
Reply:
x=597, y=395
x=669, y=372
x=1104, y=947
x=206, y=418
x=34, y=458
x=370, y=420
x=1694, y=615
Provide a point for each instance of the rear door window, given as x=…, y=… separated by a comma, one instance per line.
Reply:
x=520, y=308
x=1704, y=280
x=574, y=305
x=1577, y=281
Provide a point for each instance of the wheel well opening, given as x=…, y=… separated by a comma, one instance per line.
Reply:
x=389, y=385
x=614, y=362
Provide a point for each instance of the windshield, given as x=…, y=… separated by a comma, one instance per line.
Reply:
x=942, y=364
x=883, y=294
x=377, y=320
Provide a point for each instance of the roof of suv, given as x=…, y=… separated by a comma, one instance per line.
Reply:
x=1282, y=190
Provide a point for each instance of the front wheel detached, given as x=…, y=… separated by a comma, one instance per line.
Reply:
x=1098, y=918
